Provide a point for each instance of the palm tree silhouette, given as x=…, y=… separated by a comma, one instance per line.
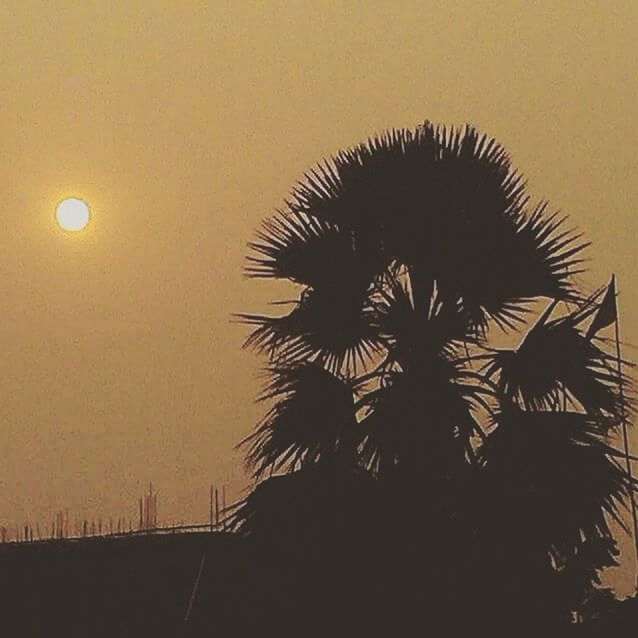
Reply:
x=415, y=253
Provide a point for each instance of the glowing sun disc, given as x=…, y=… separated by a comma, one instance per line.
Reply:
x=72, y=214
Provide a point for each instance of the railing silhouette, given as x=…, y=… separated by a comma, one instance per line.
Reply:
x=121, y=527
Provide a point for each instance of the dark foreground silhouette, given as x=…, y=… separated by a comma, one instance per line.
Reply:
x=121, y=587
x=301, y=575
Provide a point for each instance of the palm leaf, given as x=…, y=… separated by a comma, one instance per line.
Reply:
x=312, y=252
x=422, y=421
x=555, y=356
x=311, y=420
x=441, y=328
x=448, y=205
x=334, y=327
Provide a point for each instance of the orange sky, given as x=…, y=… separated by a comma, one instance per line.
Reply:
x=183, y=124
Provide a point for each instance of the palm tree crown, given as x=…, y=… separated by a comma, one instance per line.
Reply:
x=412, y=251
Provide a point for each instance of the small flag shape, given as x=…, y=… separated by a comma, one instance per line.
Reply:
x=607, y=311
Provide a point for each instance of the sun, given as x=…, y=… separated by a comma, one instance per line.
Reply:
x=72, y=214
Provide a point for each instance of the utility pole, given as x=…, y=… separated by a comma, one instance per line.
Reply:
x=625, y=435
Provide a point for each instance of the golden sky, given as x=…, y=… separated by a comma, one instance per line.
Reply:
x=183, y=124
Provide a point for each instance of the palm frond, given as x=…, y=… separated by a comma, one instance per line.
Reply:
x=440, y=327
x=312, y=252
x=422, y=421
x=556, y=357
x=312, y=419
x=447, y=203
x=335, y=328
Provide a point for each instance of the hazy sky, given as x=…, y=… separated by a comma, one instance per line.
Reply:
x=183, y=124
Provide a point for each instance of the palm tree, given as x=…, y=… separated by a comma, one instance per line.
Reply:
x=415, y=253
